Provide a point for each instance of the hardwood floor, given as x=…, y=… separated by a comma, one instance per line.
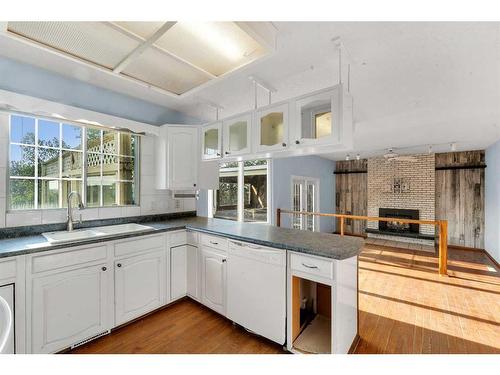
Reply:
x=405, y=307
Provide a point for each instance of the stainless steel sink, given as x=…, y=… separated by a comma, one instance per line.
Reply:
x=97, y=232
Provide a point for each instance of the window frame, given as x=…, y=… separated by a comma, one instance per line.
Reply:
x=212, y=200
x=84, y=152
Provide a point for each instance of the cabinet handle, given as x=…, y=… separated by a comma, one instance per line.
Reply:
x=119, y=265
x=283, y=144
x=309, y=266
x=104, y=268
x=218, y=154
x=297, y=142
x=227, y=152
x=194, y=184
x=214, y=243
x=224, y=260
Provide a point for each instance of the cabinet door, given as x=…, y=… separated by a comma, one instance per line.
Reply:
x=213, y=274
x=193, y=277
x=211, y=141
x=178, y=272
x=318, y=118
x=68, y=307
x=7, y=319
x=139, y=285
x=236, y=134
x=271, y=128
x=182, y=157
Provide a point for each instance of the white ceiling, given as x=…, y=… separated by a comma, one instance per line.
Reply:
x=413, y=84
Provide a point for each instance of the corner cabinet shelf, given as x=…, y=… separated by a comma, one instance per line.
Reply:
x=315, y=123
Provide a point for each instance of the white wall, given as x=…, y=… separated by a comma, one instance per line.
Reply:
x=492, y=201
x=151, y=201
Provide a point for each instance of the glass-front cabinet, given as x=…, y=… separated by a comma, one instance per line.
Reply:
x=211, y=141
x=271, y=128
x=318, y=118
x=236, y=135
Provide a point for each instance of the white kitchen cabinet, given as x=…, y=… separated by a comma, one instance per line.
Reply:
x=139, y=285
x=237, y=135
x=178, y=272
x=193, y=272
x=211, y=141
x=68, y=307
x=213, y=276
x=7, y=319
x=271, y=128
x=177, y=157
x=323, y=117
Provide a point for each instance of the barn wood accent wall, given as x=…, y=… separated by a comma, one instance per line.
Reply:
x=460, y=196
x=351, y=193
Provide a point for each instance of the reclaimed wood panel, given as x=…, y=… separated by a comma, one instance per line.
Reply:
x=460, y=197
x=351, y=190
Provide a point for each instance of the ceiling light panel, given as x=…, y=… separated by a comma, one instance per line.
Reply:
x=216, y=47
x=159, y=69
x=95, y=42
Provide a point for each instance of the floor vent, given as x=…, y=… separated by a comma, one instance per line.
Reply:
x=80, y=343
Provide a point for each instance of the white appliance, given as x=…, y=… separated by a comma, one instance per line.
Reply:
x=256, y=289
x=7, y=319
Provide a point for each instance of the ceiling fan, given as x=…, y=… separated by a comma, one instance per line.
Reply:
x=390, y=155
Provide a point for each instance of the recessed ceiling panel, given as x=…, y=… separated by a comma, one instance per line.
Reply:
x=161, y=70
x=96, y=42
x=140, y=28
x=216, y=47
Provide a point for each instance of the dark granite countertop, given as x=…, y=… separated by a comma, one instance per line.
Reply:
x=314, y=243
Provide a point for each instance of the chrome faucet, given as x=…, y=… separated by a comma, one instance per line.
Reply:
x=70, y=210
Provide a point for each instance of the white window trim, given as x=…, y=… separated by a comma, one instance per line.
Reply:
x=241, y=177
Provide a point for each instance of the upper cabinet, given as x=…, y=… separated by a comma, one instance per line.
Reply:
x=211, y=141
x=237, y=135
x=271, y=128
x=318, y=118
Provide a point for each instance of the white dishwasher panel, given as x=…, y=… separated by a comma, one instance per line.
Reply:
x=256, y=289
x=7, y=319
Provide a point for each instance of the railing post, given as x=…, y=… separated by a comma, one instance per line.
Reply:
x=443, y=247
x=278, y=217
x=341, y=225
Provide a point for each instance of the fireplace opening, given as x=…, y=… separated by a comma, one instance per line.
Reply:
x=395, y=227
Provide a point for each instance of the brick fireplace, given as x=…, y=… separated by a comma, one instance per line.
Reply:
x=402, y=188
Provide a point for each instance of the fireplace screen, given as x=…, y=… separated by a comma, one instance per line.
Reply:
x=394, y=226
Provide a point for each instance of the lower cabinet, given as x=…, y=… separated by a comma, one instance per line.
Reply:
x=213, y=280
x=139, y=285
x=68, y=307
x=193, y=267
x=178, y=272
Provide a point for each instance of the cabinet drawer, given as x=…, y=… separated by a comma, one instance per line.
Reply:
x=8, y=269
x=313, y=266
x=213, y=241
x=134, y=246
x=48, y=262
x=177, y=238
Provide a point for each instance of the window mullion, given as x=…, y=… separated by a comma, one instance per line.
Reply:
x=241, y=201
x=84, y=164
x=35, y=204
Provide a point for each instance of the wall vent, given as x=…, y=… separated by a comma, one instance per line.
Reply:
x=80, y=343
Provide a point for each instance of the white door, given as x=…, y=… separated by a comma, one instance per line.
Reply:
x=213, y=274
x=182, y=157
x=236, y=134
x=305, y=198
x=271, y=128
x=211, y=141
x=193, y=276
x=139, y=285
x=178, y=272
x=7, y=318
x=68, y=307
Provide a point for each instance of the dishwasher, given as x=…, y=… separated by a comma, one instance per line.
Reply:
x=256, y=289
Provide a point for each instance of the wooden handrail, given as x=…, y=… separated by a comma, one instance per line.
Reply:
x=442, y=225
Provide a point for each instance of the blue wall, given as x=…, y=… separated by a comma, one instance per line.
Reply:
x=492, y=201
x=306, y=166
x=33, y=81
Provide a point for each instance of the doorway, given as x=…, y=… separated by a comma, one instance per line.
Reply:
x=305, y=197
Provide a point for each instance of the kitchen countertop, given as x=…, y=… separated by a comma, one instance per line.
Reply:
x=315, y=243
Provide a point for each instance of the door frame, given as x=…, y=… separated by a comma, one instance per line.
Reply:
x=316, y=181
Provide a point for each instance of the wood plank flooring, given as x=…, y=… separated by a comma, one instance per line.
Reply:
x=405, y=307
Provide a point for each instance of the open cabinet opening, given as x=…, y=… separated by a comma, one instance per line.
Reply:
x=311, y=316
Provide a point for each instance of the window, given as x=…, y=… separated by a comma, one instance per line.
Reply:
x=305, y=198
x=49, y=159
x=242, y=193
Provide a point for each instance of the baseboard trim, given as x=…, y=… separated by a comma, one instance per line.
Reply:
x=354, y=344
